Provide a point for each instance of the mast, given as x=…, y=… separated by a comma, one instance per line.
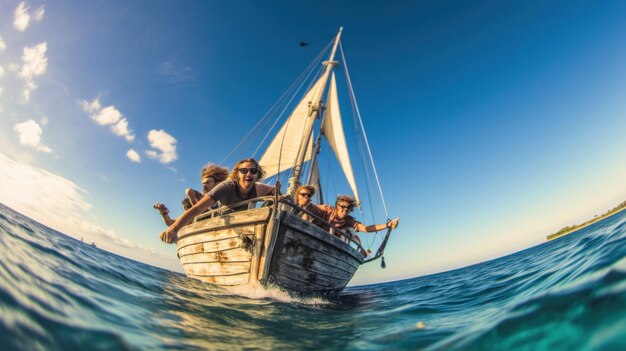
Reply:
x=314, y=110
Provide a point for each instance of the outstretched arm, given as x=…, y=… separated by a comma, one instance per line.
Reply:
x=393, y=224
x=170, y=235
x=165, y=213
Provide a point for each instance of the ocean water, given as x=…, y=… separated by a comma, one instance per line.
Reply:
x=57, y=293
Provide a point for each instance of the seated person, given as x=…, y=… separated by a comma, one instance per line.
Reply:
x=339, y=218
x=242, y=184
x=303, y=199
x=210, y=175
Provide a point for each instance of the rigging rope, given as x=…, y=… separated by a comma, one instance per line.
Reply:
x=300, y=80
x=280, y=153
x=352, y=96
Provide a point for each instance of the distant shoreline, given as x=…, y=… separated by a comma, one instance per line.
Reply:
x=568, y=230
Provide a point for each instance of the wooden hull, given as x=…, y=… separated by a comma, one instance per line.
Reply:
x=253, y=247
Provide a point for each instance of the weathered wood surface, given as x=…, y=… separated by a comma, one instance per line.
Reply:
x=212, y=246
x=267, y=251
x=257, y=247
x=237, y=255
x=304, y=257
x=309, y=276
x=311, y=264
x=214, y=235
x=239, y=279
x=312, y=230
x=235, y=219
x=308, y=259
x=224, y=250
x=217, y=268
x=306, y=253
x=297, y=280
x=294, y=242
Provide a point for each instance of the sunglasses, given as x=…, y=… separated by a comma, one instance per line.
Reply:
x=305, y=194
x=344, y=207
x=246, y=170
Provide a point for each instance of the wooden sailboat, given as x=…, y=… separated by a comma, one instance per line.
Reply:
x=269, y=244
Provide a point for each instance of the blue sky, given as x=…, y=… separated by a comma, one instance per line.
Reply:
x=492, y=123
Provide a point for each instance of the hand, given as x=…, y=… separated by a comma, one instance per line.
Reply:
x=170, y=235
x=161, y=208
x=393, y=224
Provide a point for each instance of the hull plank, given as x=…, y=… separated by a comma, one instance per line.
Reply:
x=239, y=279
x=320, y=234
x=240, y=255
x=309, y=276
x=212, y=246
x=296, y=243
x=296, y=279
x=217, y=268
x=215, y=235
x=312, y=265
x=230, y=220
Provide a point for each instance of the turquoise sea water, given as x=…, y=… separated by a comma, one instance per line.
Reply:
x=57, y=293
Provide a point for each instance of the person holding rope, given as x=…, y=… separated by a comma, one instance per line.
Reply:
x=339, y=218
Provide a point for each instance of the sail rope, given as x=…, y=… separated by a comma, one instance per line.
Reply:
x=319, y=72
x=272, y=110
x=353, y=98
x=282, y=141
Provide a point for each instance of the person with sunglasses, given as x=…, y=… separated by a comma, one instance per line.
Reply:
x=242, y=184
x=338, y=216
x=304, y=193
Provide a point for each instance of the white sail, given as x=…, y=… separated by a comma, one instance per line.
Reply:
x=332, y=129
x=281, y=154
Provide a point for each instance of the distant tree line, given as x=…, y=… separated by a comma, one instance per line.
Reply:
x=569, y=229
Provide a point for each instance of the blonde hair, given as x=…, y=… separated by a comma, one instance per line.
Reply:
x=347, y=198
x=214, y=171
x=310, y=188
x=233, y=173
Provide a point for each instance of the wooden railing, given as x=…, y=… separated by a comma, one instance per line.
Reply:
x=266, y=201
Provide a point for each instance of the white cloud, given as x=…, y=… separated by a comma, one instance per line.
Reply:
x=35, y=64
x=163, y=142
x=29, y=133
x=38, y=15
x=60, y=203
x=121, y=129
x=44, y=121
x=3, y=45
x=1, y=71
x=91, y=107
x=109, y=116
x=133, y=156
x=22, y=17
